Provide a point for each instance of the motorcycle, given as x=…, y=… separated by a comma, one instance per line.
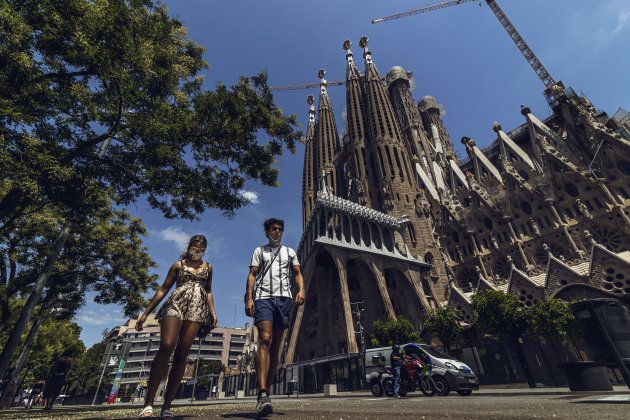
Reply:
x=413, y=375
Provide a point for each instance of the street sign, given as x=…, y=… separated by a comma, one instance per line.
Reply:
x=192, y=381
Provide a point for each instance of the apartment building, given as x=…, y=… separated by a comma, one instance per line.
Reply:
x=222, y=344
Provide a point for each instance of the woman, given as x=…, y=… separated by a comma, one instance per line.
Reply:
x=189, y=307
x=57, y=378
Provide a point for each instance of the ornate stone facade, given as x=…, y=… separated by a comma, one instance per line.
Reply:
x=399, y=223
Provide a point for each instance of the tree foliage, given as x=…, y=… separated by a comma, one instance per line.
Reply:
x=553, y=318
x=84, y=375
x=499, y=313
x=210, y=367
x=77, y=74
x=395, y=331
x=445, y=324
x=53, y=338
x=103, y=255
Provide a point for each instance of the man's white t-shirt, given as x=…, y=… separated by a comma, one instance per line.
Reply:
x=276, y=281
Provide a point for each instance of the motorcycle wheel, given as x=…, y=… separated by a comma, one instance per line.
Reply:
x=377, y=389
x=388, y=387
x=427, y=386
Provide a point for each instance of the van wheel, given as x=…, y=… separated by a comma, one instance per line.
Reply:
x=465, y=392
x=441, y=386
x=377, y=389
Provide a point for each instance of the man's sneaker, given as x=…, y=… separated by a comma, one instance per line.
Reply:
x=264, y=407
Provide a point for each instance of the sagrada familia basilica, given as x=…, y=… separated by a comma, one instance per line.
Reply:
x=395, y=220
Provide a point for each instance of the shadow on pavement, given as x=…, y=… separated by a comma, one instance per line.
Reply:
x=250, y=415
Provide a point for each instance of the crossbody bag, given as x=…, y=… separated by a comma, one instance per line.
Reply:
x=264, y=272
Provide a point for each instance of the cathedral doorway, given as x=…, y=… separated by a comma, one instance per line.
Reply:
x=323, y=327
x=363, y=287
x=403, y=296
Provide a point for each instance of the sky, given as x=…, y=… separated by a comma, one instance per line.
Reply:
x=459, y=55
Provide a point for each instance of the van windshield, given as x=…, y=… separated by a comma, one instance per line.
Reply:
x=435, y=352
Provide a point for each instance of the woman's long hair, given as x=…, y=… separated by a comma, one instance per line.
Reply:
x=195, y=240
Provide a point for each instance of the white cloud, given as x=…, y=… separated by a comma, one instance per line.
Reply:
x=175, y=234
x=594, y=28
x=622, y=19
x=250, y=196
x=180, y=239
x=93, y=318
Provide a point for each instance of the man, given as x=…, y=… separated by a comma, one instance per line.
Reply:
x=269, y=300
x=395, y=359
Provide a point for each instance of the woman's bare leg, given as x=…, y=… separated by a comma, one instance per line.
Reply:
x=187, y=336
x=169, y=333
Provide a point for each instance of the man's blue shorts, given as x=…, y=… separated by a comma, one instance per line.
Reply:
x=275, y=309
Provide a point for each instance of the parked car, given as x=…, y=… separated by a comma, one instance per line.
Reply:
x=448, y=374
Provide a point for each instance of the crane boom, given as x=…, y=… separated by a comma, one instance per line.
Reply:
x=424, y=9
x=299, y=86
x=527, y=52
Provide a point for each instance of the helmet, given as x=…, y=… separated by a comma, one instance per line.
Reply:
x=395, y=347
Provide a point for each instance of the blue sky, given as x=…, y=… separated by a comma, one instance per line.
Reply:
x=460, y=55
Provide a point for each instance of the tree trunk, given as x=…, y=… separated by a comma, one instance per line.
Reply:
x=521, y=358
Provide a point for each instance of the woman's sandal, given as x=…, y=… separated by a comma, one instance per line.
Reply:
x=166, y=414
x=147, y=412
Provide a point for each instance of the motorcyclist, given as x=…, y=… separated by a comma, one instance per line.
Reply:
x=396, y=361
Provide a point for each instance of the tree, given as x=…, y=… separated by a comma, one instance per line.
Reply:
x=553, y=318
x=209, y=367
x=445, y=324
x=78, y=75
x=395, y=331
x=54, y=337
x=84, y=375
x=499, y=313
x=502, y=315
x=104, y=255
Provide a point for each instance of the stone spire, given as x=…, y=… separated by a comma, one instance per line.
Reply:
x=359, y=187
x=308, y=176
x=326, y=138
x=434, y=126
x=389, y=160
x=396, y=188
x=418, y=144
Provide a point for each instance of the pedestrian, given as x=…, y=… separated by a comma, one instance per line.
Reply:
x=189, y=310
x=57, y=378
x=214, y=391
x=268, y=299
x=395, y=359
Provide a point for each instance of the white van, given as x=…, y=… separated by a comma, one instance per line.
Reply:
x=449, y=374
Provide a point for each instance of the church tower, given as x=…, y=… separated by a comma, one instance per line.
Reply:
x=360, y=176
x=326, y=142
x=308, y=175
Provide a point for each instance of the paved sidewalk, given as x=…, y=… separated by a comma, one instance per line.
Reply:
x=489, y=391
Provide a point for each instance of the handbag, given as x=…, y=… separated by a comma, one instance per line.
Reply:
x=205, y=329
x=263, y=274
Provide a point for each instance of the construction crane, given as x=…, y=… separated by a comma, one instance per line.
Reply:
x=527, y=52
x=298, y=86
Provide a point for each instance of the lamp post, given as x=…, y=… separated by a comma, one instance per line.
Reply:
x=192, y=396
